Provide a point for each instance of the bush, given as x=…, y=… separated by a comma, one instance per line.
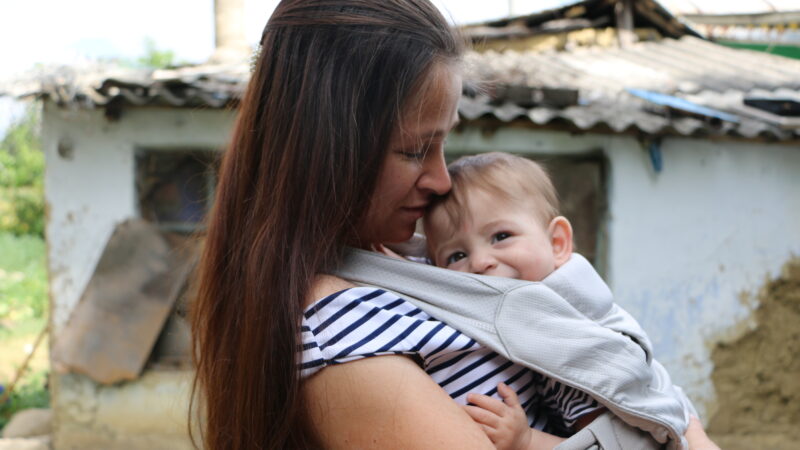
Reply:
x=22, y=177
x=22, y=210
x=31, y=392
x=23, y=277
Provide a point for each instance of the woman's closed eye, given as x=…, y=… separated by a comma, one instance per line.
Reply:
x=418, y=154
x=413, y=155
x=455, y=257
x=503, y=235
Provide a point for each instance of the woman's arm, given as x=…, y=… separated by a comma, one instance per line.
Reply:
x=384, y=401
x=388, y=402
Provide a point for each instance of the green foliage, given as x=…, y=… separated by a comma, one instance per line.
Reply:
x=31, y=392
x=21, y=157
x=154, y=58
x=23, y=277
x=21, y=177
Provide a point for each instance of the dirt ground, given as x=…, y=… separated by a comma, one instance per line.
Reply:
x=757, y=376
x=16, y=340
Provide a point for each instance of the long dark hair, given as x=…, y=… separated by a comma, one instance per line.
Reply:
x=313, y=126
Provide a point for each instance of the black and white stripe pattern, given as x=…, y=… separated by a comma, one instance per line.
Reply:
x=361, y=322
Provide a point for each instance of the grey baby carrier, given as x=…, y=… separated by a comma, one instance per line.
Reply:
x=594, y=346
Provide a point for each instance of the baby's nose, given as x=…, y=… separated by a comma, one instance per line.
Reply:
x=483, y=263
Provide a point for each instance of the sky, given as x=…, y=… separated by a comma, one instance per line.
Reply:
x=68, y=31
x=65, y=32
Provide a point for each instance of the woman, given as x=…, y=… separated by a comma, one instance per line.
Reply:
x=338, y=142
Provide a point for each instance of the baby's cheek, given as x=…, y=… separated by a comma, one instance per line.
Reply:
x=460, y=266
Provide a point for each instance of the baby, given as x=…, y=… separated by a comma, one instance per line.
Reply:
x=501, y=218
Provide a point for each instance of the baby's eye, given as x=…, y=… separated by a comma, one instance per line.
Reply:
x=455, y=257
x=500, y=236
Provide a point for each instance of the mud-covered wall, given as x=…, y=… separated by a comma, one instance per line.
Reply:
x=757, y=374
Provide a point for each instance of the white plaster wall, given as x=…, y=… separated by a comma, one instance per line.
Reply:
x=90, y=193
x=686, y=244
x=690, y=245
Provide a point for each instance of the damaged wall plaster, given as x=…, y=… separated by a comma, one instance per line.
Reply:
x=757, y=375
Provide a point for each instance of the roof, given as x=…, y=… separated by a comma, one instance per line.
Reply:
x=113, y=87
x=699, y=72
x=754, y=21
x=586, y=89
x=728, y=7
x=579, y=15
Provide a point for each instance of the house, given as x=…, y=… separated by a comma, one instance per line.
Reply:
x=772, y=26
x=677, y=160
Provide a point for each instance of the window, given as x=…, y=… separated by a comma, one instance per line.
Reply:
x=581, y=186
x=175, y=188
x=580, y=183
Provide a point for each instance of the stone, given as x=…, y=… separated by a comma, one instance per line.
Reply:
x=29, y=423
x=37, y=443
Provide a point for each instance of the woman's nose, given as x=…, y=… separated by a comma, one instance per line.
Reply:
x=435, y=177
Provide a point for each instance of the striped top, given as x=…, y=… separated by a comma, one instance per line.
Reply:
x=365, y=321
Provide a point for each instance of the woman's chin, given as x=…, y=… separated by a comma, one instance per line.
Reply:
x=398, y=236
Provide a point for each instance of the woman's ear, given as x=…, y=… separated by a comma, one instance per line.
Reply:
x=560, y=232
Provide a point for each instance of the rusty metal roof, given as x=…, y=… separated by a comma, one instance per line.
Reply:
x=695, y=71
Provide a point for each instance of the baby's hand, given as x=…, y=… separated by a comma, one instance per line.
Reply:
x=505, y=423
x=380, y=248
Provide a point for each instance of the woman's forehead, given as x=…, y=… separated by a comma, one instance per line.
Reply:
x=432, y=108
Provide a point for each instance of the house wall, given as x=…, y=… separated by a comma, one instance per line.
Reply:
x=89, y=189
x=689, y=247
x=92, y=189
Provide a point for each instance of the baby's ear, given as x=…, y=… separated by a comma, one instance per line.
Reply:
x=560, y=232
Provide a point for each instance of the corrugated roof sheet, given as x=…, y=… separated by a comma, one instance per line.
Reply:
x=577, y=15
x=104, y=86
x=695, y=70
x=689, y=68
x=681, y=7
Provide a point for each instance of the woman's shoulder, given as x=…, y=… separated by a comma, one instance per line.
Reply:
x=359, y=304
x=359, y=322
x=325, y=285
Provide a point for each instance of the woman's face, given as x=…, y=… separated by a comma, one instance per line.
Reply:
x=414, y=168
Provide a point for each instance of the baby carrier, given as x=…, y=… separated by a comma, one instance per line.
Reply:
x=552, y=328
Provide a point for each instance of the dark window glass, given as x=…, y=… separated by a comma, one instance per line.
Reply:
x=175, y=188
x=580, y=183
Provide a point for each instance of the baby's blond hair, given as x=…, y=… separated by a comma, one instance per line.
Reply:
x=512, y=177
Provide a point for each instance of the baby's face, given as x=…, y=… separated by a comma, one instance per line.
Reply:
x=494, y=238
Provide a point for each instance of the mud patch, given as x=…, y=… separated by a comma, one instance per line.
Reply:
x=757, y=376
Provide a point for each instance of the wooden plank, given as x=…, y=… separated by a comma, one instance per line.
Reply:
x=133, y=289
